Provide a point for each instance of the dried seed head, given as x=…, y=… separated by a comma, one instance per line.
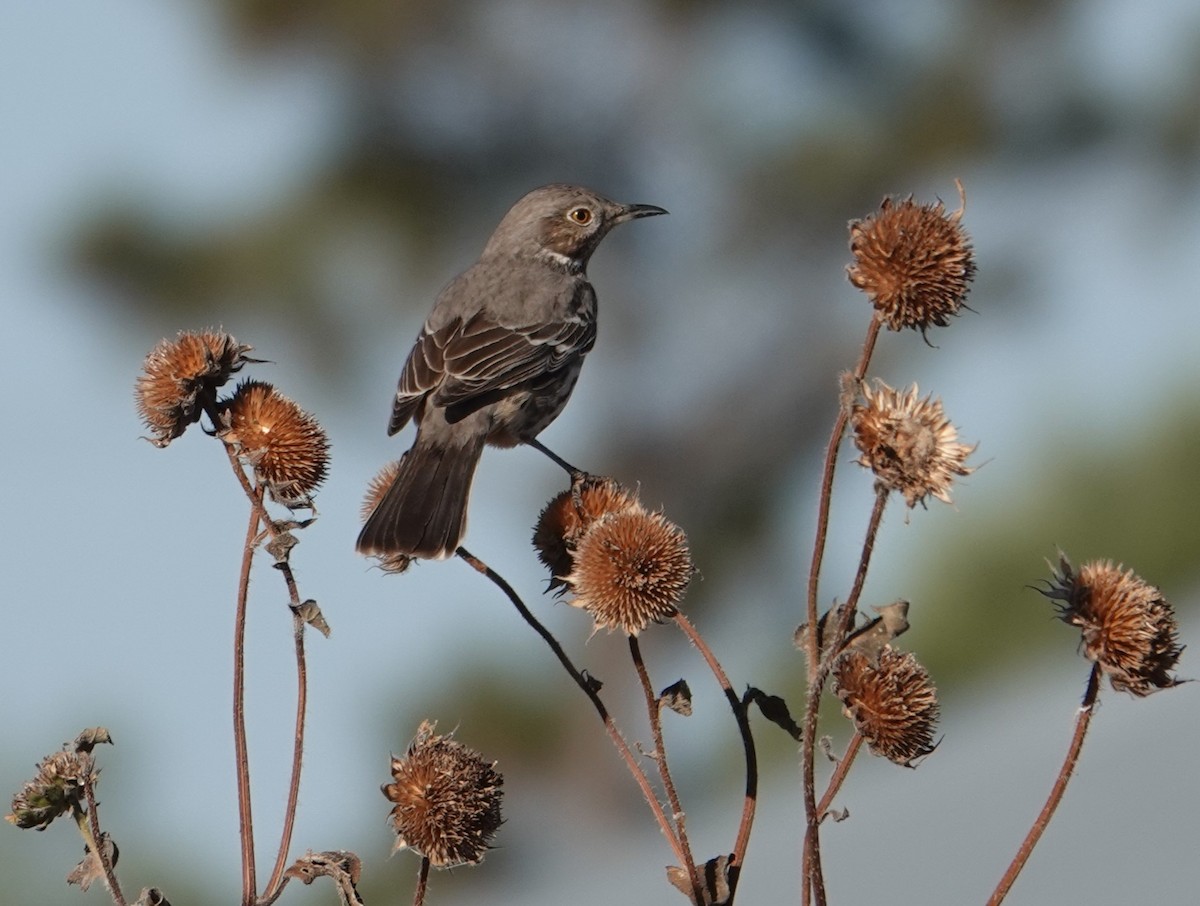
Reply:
x=286, y=447
x=57, y=789
x=908, y=443
x=630, y=569
x=179, y=374
x=563, y=522
x=447, y=800
x=914, y=262
x=1128, y=627
x=891, y=700
x=378, y=486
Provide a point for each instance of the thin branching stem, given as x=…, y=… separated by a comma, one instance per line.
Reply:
x=422, y=882
x=654, y=712
x=589, y=690
x=840, y=773
x=1091, y=694
x=275, y=885
x=825, y=501
x=241, y=758
x=89, y=827
x=813, y=873
x=750, y=800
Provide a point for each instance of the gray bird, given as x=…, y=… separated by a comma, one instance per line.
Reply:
x=494, y=363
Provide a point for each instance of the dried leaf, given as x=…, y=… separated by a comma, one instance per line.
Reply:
x=871, y=638
x=677, y=697
x=715, y=880
x=343, y=867
x=152, y=896
x=92, y=737
x=311, y=614
x=775, y=710
x=91, y=868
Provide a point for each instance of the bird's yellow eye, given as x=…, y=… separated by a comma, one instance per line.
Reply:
x=582, y=216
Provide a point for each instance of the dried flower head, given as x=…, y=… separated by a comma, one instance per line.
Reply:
x=914, y=262
x=908, y=443
x=565, y=519
x=630, y=569
x=179, y=375
x=57, y=789
x=1128, y=627
x=376, y=489
x=891, y=701
x=286, y=446
x=447, y=800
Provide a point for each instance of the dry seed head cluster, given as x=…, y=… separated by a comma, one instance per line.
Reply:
x=180, y=375
x=285, y=446
x=914, y=262
x=891, y=701
x=446, y=800
x=626, y=566
x=908, y=443
x=56, y=790
x=1127, y=627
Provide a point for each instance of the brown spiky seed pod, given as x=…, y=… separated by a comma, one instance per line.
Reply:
x=57, y=789
x=630, y=569
x=908, y=443
x=1128, y=628
x=179, y=375
x=447, y=800
x=376, y=488
x=914, y=262
x=891, y=701
x=565, y=519
x=286, y=447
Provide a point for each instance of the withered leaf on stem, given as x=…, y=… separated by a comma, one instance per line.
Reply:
x=677, y=697
x=91, y=869
x=716, y=881
x=775, y=710
x=311, y=614
x=343, y=867
x=152, y=896
x=871, y=638
x=92, y=737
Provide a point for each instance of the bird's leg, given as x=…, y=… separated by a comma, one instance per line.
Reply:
x=578, y=476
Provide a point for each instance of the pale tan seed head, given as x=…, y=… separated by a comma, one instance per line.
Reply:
x=891, y=701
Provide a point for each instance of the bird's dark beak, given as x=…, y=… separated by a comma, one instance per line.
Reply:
x=634, y=211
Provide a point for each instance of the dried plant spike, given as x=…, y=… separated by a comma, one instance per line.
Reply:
x=1127, y=626
x=286, y=447
x=565, y=519
x=446, y=800
x=908, y=443
x=179, y=375
x=630, y=570
x=891, y=701
x=914, y=262
x=57, y=788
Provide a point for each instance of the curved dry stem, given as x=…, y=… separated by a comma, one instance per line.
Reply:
x=750, y=801
x=89, y=829
x=840, y=773
x=654, y=713
x=241, y=758
x=582, y=682
x=275, y=884
x=422, y=882
x=812, y=872
x=825, y=501
x=1056, y=793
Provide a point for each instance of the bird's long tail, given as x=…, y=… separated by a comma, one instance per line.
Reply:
x=424, y=512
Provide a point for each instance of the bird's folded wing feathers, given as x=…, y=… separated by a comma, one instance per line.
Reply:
x=466, y=360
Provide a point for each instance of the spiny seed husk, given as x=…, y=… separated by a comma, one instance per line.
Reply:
x=285, y=445
x=891, y=701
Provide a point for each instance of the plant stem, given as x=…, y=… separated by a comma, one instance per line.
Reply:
x=750, y=800
x=89, y=828
x=241, y=757
x=654, y=712
x=839, y=773
x=422, y=882
x=583, y=683
x=825, y=501
x=1056, y=793
x=275, y=884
